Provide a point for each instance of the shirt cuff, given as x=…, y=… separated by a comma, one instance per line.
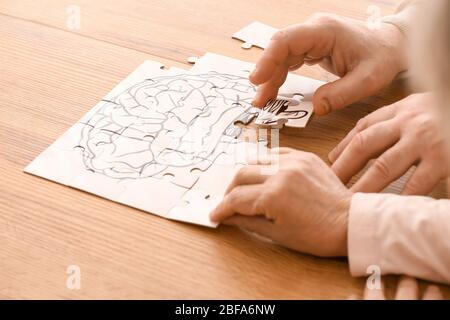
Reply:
x=404, y=18
x=363, y=240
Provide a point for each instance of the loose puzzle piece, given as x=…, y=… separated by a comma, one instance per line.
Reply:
x=255, y=34
x=285, y=112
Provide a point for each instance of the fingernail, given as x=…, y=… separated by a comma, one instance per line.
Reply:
x=255, y=101
x=323, y=107
x=332, y=155
x=253, y=73
x=212, y=216
x=254, y=104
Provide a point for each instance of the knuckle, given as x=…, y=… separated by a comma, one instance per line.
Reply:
x=324, y=18
x=291, y=174
x=263, y=201
x=358, y=143
x=337, y=101
x=271, y=193
x=241, y=173
x=283, y=178
x=233, y=196
x=437, y=150
x=280, y=34
x=361, y=125
x=381, y=167
x=412, y=187
x=310, y=159
x=426, y=123
x=370, y=80
x=422, y=127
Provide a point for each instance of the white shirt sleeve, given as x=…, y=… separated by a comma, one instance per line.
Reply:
x=404, y=16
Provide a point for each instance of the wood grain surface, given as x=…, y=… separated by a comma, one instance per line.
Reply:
x=50, y=76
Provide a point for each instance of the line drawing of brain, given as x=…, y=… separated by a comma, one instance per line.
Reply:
x=162, y=122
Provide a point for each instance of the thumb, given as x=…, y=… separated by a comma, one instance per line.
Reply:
x=358, y=84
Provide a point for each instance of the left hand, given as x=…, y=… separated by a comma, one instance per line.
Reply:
x=302, y=206
x=399, y=136
x=407, y=289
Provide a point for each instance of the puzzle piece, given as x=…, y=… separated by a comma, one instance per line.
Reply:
x=97, y=184
x=212, y=62
x=221, y=174
x=282, y=112
x=299, y=85
x=151, y=195
x=196, y=207
x=67, y=168
x=198, y=203
x=55, y=164
x=255, y=34
x=182, y=170
x=248, y=116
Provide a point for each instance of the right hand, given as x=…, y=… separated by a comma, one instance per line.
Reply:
x=366, y=60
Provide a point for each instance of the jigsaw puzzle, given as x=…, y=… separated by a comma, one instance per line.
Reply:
x=163, y=141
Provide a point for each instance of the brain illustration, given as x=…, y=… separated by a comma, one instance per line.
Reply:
x=166, y=121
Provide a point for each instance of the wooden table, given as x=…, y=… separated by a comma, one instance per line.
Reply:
x=51, y=75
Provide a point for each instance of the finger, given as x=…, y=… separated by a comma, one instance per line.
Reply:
x=407, y=289
x=258, y=225
x=250, y=174
x=286, y=49
x=355, y=85
x=364, y=146
x=269, y=90
x=293, y=41
x=241, y=200
x=311, y=62
x=295, y=66
x=377, y=116
x=261, y=159
x=432, y=293
x=281, y=150
x=275, y=55
x=373, y=293
x=295, y=62
x=327, y=64
x=423, y=180
x=390, y=166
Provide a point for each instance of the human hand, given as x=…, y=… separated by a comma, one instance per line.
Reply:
x=302, y=206
x=399, y=136
x=407, y=289
x=366, y=60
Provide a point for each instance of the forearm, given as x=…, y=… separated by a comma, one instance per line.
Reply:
x=401, y=235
